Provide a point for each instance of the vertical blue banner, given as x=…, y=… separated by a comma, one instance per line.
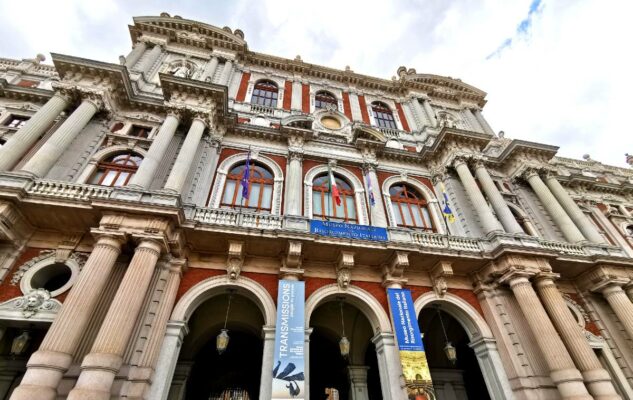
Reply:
x=411, y=349
x=289, y=364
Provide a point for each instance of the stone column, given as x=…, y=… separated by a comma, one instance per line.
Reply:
x=484, y=124
x=48, y=364
x=135, y=54
x=294, y=188
x=209, y=69
x=595, y=376
x=497, y=201
x=141, y=375
x=566, y=225
x=148, y=62
x=186, y=155
x=588, y=230
x=268, y=359
x=429, y=112
x=43, y=160
x=17, y=146
x=562, y=370
x=621, y=305
x=306, y=359
x=358, y=382
x=167, y=360
x=488, y=220
x=226, y=72
x=101, y=365
x=378, y=216
x=146, y=171
x=389, y=366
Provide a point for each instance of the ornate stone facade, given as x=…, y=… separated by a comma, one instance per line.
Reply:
x=148, y=203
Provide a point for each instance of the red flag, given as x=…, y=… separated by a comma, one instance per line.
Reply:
x=334, y=189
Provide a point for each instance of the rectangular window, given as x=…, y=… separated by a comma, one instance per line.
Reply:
x=16, y=121
x=139, y=131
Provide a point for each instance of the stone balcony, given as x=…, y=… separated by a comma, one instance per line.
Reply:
x=21, y=187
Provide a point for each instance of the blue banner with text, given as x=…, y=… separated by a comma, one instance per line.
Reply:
x=289, y=364
x=348, y=231
x=404, y=320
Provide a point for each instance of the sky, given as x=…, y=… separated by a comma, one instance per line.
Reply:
x=556, y=72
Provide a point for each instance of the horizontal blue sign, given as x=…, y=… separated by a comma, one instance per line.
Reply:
x=348, y=231
x=405, y=322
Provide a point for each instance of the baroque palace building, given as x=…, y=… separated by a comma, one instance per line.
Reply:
x=126, y=244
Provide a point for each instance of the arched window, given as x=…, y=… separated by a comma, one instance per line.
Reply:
x=383, y=115
x=116, y=170
x=629, y=230
x=323, y=204
x=322, y=99
x=410, y=209
x=260, y=188
x=265, y=94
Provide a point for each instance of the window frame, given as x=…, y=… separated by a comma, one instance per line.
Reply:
x=383, y=115
x=264, y=95
x=15, y=117
x=324, y=97
x=105, y=167
x=253, y=179
x=416, y=199
x=346, y=190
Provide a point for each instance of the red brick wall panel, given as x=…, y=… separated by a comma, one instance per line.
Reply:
x=305, y=98
x=241, y=92
x=287, y=95
x=347, y=108
x=363, y=109
x=7, y=290
x=403, y=119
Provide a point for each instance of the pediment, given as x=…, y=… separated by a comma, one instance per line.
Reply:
x=369, y=133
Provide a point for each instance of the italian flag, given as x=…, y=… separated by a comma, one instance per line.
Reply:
x=333, y=188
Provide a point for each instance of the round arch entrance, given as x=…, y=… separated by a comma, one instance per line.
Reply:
x=475, y=346
x=190, y=366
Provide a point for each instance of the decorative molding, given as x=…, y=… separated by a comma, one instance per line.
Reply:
x=291, y=261
x=439, y=273
x=35, y=301
x=344, y=266
x=393, y=271
x=235, y=259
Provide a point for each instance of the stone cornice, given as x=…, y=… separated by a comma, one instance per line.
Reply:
x=24, y=93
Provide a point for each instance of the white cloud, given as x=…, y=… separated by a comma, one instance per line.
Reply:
x=564, y=82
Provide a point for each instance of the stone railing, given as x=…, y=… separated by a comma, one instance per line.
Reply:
x=67, y=190
x=562, y=247
x=390, y=132
x=259, y=109
x=238, y=219
x=446, y=242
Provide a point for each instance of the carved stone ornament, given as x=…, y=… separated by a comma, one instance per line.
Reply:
x=34, y=301
x=235, y=259
x=344, y=267
x=393, y=271
x=438, y=273
x=17, y=276
x=291, y=261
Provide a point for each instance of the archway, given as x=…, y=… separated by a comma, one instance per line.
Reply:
x=189, y=360
x=333, y=376
x=472, y=338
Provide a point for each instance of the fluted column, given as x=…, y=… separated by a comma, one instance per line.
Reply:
x=268, y=361
x=43, y=160
x=148, y=62
x=488, y=220
x=156, y=152
x=629, y=291
x=143, y=373
x=429, y=112
x=135, y=54
x=358, y=382
x=378, y=216
x=621, y=305
x=561, y=219
x=588, y=230
x=17, y=146
x=497, y=201
x=209, y=69
x=482, y=121
x=562, y=370
x=226, y=72
x=294, y=187
x=47, y=365
x=187, y=152
x=106, y=356
x=595, y=376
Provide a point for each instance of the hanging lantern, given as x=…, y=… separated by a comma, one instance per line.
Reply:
x=20, y=343
x=451, y=353
x=343, y=345
x=222, y=341
x=449, y=349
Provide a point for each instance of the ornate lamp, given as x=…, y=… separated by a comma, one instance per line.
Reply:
x=343, y=344
x=20, y=343
x=222, y=340
x=449, y=349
